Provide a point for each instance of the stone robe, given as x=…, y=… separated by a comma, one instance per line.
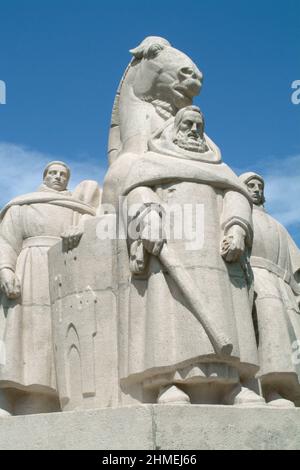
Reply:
x=276, y=264
x=30, y=225
x=160, y=339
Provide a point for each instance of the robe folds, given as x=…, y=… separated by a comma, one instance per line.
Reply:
x=160, y=339
x=275, y=262
x=30, y=225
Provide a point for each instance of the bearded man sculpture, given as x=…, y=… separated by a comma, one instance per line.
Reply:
x=30, y=225
x=189, y=130
x=275, y=262
x=186, y=332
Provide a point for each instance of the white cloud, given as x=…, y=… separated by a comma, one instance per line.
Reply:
x=282, y=187
x=283, y=190
x=21, y=170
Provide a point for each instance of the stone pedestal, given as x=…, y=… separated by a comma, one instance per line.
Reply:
x=155, y=427
x=84, y=313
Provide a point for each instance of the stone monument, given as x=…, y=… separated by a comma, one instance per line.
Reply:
x=164, y=317
x=182, y=328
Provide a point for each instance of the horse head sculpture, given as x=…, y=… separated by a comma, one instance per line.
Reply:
x=158, y=82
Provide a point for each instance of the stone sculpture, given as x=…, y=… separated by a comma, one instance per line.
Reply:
x=158, y=82
x=163, y=314
x=275, y=262
x=186, y=332
x=30, y=225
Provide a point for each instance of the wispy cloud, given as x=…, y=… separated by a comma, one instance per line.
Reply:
x=283, y=189
x=21, y=170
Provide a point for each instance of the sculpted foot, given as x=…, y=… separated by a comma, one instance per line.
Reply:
x=276, y=400
x=172, y=395
x=242, y=396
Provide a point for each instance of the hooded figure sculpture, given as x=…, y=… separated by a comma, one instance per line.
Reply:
x=30, y=225
x=275, y=262
x=185, y=325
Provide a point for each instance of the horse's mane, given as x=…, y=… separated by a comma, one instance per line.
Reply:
x=146, y=49
x=114, y=140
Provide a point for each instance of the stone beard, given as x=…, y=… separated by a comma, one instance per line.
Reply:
x=190, y=143
x=189, y=130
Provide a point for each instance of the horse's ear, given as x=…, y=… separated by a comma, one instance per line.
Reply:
x=138, y=52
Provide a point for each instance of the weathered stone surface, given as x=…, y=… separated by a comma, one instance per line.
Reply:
x=120, y=428
x=155, y=427
x=226, y=427
x=83, y=297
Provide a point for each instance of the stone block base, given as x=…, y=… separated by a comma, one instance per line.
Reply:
x=153, y=427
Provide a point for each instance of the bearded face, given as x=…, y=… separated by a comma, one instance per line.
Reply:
x=189, y=133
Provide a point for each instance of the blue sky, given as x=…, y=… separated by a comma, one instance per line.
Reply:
x=62, y=62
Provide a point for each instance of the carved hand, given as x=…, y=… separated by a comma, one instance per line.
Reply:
x=9, y=283
x=152, y=234
x=233, y=244
x=71, y=237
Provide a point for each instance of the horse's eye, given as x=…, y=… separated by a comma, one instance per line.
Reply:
x=187, y=71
